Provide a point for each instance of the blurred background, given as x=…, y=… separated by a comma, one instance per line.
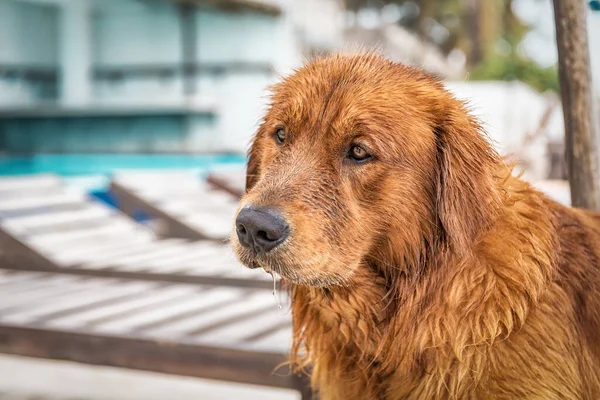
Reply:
x=93, y=90
x=89, y=87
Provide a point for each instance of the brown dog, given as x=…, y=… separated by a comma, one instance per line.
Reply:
x=421, y=268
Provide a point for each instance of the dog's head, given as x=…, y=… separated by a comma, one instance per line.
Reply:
x=360, y=162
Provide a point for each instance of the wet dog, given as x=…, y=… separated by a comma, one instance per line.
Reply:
x=420, y=267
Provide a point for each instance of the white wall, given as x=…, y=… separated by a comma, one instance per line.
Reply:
x=28, y=37
x=135, y=33
x=509, y=112
x=132, y=33
x=320, y=23
x=236, y=37
x=28, y=33
x=127, y=33
x=240, y=101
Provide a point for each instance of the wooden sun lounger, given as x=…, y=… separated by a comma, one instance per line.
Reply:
x=233, y=182
x=224, y=333
x=186, y=206
x=45, y=227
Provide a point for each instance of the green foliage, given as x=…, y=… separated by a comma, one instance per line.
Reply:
x=514, y=67
x=476, y=27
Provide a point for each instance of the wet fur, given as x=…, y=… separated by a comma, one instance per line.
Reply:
x=432, y=272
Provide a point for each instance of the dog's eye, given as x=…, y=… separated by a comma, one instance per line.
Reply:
x=357, y=153
x=280, y=136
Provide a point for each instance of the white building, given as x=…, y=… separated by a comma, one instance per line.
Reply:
x=164, y=75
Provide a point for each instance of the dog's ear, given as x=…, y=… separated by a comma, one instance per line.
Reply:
x=467, y=198
x=253, y=163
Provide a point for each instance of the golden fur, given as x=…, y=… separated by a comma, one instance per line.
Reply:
x=428, y=272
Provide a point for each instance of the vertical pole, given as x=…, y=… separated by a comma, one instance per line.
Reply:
x=475, y=32
x=75, y=52
x=580, y=114
x=188, y=49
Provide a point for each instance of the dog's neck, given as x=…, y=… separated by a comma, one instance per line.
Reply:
x=339, y=326
x=386, y=322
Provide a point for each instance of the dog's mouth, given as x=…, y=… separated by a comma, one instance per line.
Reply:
x=309, y=275
x=257, y=262
x=270, y=265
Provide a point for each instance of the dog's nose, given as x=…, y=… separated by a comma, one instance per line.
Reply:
x=261, y=229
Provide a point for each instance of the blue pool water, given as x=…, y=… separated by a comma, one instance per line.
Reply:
x=79, y=165
x=91, y=173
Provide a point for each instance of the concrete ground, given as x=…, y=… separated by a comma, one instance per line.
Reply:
x=33, y=379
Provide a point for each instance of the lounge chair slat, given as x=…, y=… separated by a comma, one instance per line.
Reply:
x=174, y=305
x=175, y=262
x=9, y=278
x=264, y=331
x=136, y=325
x=59, y=254
x=141, y=179
x=231, y=320
x=62, y=230
x=45, y=201
x=191, y=308
x=90, y=212
x=129, y=260
x=254, y=301
x=175, y=324
x=232, y=182
x=68, y=290
x=277, y=341
x=167, y=311
x=39, y=181
x=246, y=325
x=155, y=257
x=208, y=268
x=12, y=278
x=78, y=310
x=24, y=287
x=187, y=206
x=38, y=295
x=229, y=364
x=212, y=225
x=31, y=192
x=179, y=191
x=97, y=251
x=40, y=210
x=208, y=256
x=113, y=309
x=117, y=228
x=173, y=205
x=74, y=225
x=87, y=299
x=180, y=300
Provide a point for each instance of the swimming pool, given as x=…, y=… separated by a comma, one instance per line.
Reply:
x=80, y=165
x=91, y=172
